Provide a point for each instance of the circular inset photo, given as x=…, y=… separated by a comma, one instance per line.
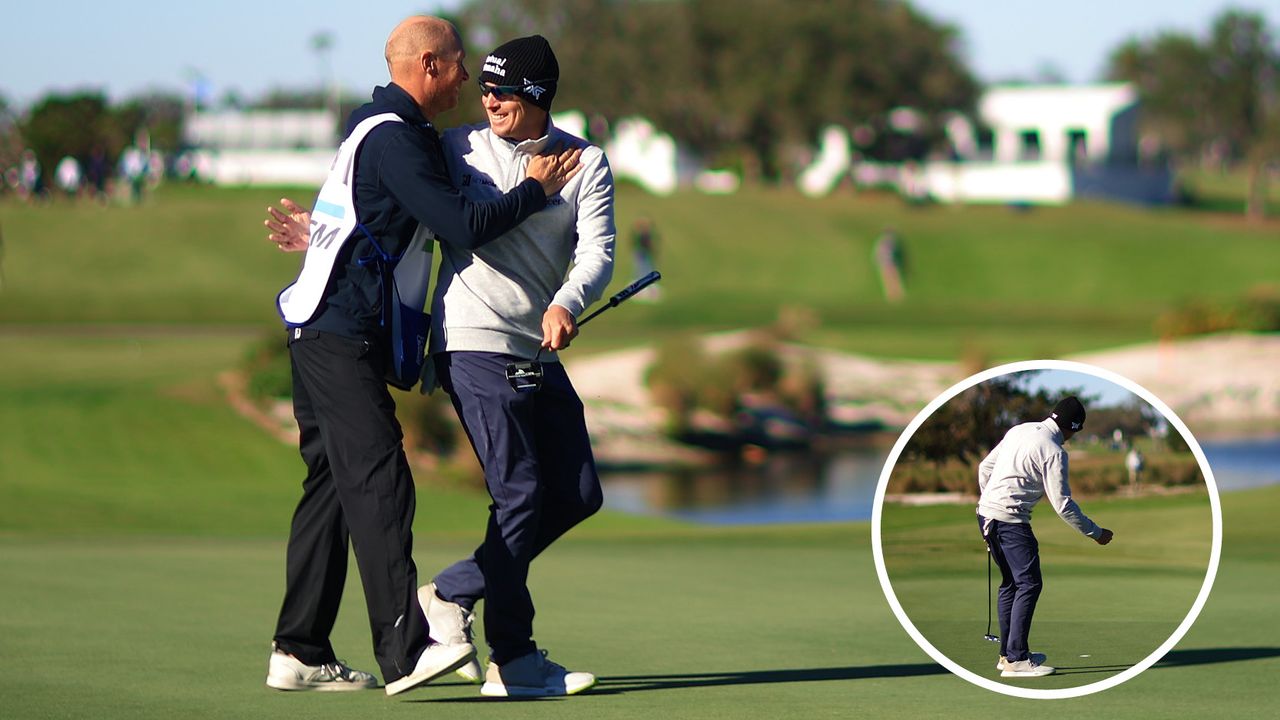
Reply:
x=1046, y=529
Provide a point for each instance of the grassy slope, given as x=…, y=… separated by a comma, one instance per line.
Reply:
x=981, y=279
x=131, y=434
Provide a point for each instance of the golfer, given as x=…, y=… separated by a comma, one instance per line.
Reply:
x=501, y=304
x=1027, y=465
x=358, y=488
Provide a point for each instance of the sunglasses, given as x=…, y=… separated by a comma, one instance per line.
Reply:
x=505, y=91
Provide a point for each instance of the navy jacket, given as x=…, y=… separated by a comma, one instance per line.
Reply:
x=401, y=180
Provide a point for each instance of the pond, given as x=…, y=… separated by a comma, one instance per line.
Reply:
x=841, y=485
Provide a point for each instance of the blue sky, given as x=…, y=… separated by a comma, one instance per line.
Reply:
x=128, y=46
x=1106, y=392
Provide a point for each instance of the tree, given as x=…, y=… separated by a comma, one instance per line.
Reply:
x=1218, y=98
x=969, y=425
x=161, y=115
x=1133, y=417
x=10, y=137
x=746, y=79
x=61, y=125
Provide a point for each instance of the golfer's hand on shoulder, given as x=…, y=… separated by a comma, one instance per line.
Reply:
x=290, y=231
x=558, y=328
x=555, y=167
x=1105, y=537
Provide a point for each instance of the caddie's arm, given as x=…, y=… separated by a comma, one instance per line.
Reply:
x=1058, y=493
x=425, y=191
x=593, y=252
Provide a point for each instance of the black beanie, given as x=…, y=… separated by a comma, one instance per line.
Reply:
x=526, y=63
x=1068, y=413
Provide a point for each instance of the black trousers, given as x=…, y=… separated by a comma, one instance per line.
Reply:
x=540, y=474
x=359, y=489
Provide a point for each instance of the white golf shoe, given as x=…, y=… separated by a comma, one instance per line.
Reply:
x=438, y=659
x=450, y=624
x=533, y=675
x=286, y=672
x=1025, y=668
x=1037, y=658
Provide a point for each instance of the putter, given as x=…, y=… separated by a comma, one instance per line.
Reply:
x=525, y=376
x=989, y=637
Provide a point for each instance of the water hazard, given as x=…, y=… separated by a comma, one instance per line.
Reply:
x=841, y=486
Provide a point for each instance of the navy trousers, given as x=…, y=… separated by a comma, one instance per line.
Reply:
x=1017, y=553
x=541, y=476
x=358, y=488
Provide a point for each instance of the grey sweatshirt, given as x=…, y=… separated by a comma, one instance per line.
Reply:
x=1028, y=464
x=492, y=299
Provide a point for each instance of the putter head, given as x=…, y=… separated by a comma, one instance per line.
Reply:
x=525, y=376
x=991, y=638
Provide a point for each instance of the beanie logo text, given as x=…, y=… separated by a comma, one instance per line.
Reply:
x=494, y=65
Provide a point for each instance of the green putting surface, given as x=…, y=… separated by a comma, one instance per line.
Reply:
x=1102, y=610
x=681, y=622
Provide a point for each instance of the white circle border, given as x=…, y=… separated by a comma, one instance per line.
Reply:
x=1032, y=693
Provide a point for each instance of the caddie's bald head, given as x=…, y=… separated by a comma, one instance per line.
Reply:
x=417, y=35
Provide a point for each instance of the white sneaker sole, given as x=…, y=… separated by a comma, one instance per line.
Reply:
x=470, y=672
x=293, y=684
x=1039, y=672
x=447, y=663
x=492, y=689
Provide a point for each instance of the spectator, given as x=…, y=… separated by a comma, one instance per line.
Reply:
x=890, y=263
x=67, y=175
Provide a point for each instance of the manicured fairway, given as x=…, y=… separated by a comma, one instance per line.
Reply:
x=1103, y=609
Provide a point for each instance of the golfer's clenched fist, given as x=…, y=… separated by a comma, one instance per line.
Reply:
x=1105, y=537
x=558, y=328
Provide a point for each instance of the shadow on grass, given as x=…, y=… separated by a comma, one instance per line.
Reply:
x=1180, y=658
x=621, y=684
x=1210, y=656
x=1090, y=669
x=633, y=683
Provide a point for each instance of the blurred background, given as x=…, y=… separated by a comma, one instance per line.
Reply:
x=854, y=204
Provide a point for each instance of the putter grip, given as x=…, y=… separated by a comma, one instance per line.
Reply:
x=625, y=293
x=635, y=287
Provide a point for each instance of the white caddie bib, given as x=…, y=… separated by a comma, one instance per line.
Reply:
x=333, y=222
